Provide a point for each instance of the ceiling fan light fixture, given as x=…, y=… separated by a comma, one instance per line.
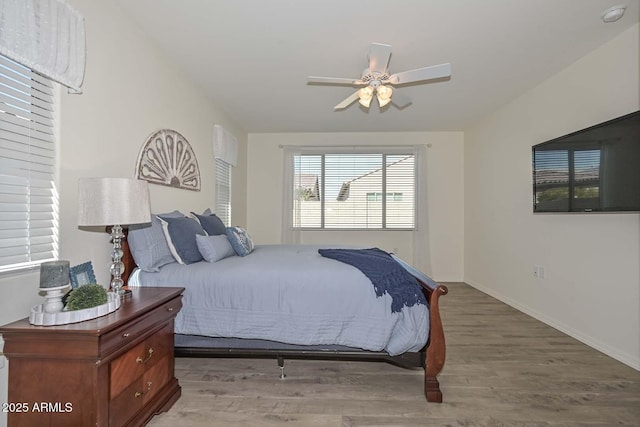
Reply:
x=383, y=101
x=365, y=102
x=365, y=94
x=384, y=95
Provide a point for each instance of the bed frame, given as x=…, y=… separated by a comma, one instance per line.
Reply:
x=431, y=358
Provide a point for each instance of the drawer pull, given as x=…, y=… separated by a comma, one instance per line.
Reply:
x=169, y=309
x=143, y=361
x=126, y=335
x=141, y=393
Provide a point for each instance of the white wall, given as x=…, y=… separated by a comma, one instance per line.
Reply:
x=130, y=91
x=592, y=261
x=445, y=187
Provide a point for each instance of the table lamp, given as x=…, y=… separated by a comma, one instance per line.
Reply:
x=113, y=202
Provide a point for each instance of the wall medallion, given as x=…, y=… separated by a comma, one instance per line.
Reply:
x=167, y=158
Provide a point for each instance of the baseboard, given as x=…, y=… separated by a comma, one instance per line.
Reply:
x=444, y=280
x=622, y=357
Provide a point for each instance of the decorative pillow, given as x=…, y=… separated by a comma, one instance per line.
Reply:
x=214, y=248
x=240, y=240
x=148, y=244
x=180, y=234
x=211, y=223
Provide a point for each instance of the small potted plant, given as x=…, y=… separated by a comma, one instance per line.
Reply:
x=86, y=296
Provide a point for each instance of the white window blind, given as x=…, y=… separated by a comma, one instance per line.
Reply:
x=28, y=197
x=354, y=191
x=223, y=191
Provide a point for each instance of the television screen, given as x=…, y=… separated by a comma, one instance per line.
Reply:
x=593, y=170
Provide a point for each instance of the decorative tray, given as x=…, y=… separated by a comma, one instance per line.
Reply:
x=38, y=316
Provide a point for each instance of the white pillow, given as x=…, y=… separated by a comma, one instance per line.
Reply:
x=214, y=248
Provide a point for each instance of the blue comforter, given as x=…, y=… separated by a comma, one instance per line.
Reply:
x=289, y=294
x=386, y=275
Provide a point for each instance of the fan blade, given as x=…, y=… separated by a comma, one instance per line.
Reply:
x=426, y=73
x=379, y=55
x=400, y=100
x=334, y=80
x=348, y=101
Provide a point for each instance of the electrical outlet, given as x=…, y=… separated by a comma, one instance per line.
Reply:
x=536, y=271
x=541, y=273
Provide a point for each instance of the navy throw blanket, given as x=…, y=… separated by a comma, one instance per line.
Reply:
x=386, y=274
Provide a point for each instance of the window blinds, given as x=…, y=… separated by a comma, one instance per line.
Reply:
x=28, y=197
x=223, y=191
x=354, y=191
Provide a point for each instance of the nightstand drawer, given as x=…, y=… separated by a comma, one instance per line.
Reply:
x=131, y=332
x=126, y=404
x=140, y=392
x=157, y=377
x=139, y=359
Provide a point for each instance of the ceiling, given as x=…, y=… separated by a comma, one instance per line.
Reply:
x=252, y=57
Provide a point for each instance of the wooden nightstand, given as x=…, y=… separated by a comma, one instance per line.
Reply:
x=115, y=370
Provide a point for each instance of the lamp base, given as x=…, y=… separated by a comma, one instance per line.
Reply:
x=123, y=293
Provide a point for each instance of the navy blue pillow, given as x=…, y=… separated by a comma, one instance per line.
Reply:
x=211, y=224
x=181, y=238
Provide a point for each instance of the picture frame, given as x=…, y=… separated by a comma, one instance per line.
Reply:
x=82, y=275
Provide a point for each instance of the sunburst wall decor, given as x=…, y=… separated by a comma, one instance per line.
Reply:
x=167, y=158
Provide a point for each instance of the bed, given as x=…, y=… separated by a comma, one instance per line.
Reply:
x=290, y=302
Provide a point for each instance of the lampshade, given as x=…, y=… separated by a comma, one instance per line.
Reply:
x=113, y=201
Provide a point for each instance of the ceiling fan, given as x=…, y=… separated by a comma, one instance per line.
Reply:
x=376, y=80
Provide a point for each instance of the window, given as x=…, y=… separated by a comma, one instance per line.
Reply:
x=356, y=190
x=28, y=196
x=223, y=191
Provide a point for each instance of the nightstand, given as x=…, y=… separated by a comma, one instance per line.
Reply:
x=115, y=370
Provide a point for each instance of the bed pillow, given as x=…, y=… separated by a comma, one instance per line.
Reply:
x=211, y=223
x=180, y=234
x=240, y=240
x=148, y=244
x=214, y=248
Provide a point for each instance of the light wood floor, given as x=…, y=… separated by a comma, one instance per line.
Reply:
x=503, y=369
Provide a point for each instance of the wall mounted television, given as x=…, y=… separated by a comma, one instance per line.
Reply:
x=596, y=169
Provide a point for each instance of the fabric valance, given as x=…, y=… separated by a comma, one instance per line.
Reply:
x=47, y=36
x=225, y=145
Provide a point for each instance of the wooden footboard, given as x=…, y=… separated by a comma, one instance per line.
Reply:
x=436, y=346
